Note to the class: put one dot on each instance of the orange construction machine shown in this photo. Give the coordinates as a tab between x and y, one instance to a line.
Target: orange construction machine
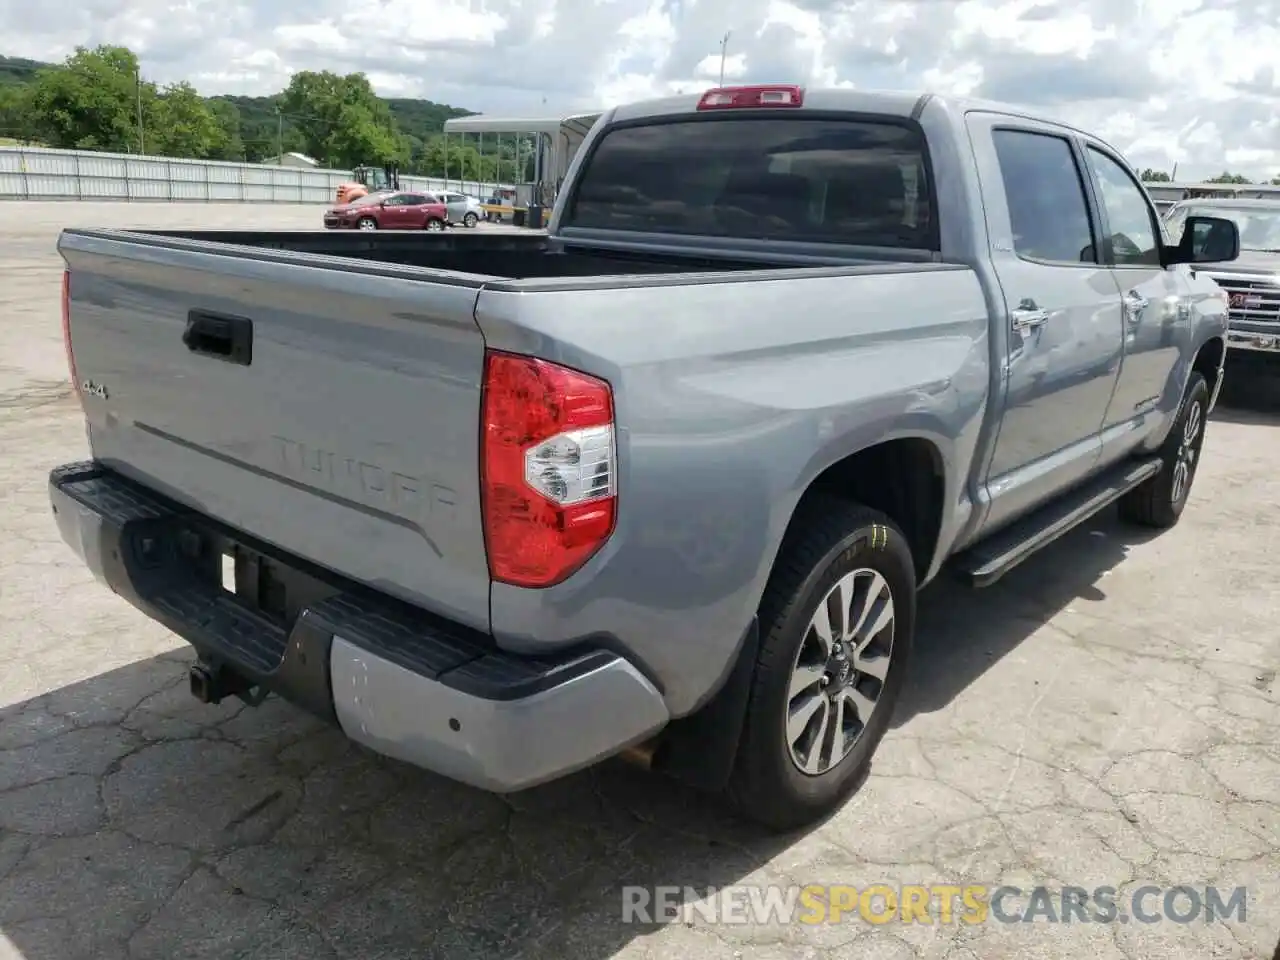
367	180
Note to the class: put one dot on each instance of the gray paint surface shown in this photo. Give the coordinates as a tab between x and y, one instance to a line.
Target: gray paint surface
733	392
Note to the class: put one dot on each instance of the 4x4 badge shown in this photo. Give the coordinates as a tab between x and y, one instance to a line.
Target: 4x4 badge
94	389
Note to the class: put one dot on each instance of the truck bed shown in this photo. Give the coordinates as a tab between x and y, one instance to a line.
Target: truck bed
493	256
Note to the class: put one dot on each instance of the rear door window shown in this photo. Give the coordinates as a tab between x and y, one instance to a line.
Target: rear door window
860	182
1043	187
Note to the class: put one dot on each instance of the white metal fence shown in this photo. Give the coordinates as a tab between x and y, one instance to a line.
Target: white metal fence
38	173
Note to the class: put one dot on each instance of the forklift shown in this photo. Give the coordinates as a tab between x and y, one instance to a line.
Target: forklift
367	180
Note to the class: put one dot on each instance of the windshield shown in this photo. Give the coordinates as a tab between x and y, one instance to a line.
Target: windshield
1259	228
859	182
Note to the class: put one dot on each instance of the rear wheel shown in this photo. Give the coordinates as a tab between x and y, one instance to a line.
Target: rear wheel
434	224
366	223
836	624
470	220
1159	501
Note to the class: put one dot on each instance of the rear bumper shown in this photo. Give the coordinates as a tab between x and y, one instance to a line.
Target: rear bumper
398	680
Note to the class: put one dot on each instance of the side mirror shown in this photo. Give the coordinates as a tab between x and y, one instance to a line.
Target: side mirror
1206	240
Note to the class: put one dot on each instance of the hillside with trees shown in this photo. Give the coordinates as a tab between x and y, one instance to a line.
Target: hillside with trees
1159	176
98	99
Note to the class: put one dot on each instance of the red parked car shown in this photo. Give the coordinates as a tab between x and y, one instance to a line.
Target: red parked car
389	211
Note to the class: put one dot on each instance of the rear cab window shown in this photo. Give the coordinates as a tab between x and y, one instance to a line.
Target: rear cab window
862	181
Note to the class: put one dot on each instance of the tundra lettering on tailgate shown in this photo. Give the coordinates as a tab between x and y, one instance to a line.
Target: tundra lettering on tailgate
368	484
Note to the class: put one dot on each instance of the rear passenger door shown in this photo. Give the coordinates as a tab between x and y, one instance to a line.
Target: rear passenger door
1155	301
415	211
394	212
1062	333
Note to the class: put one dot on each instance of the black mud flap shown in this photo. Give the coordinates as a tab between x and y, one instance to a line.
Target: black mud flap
699	750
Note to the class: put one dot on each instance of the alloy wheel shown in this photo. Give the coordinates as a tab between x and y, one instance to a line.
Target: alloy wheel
840	671
1188	448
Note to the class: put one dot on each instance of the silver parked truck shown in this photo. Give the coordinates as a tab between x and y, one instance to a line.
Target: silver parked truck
663	480
1252	282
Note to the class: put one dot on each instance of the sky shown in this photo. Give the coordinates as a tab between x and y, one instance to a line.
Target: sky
1191	82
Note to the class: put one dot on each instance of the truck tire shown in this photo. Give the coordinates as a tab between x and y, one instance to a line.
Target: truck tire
1159	501
814	718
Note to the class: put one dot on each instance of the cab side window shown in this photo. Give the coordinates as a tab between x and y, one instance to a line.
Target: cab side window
1133	235
1045	193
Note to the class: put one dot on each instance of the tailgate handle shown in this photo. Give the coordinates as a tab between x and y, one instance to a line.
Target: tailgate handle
219	337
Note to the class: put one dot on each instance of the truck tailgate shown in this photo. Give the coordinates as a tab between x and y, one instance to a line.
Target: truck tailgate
328	407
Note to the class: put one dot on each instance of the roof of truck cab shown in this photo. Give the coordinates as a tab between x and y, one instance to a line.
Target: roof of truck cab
901	103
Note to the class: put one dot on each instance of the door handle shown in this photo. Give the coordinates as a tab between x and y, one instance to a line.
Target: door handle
1028	316
219	337
1134	305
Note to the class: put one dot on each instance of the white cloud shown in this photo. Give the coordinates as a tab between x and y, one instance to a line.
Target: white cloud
1186	81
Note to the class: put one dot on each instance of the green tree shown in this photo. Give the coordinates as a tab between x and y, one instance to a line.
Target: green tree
180	124
462	159
457	160
1225	177
1155	176
228	144
91	101
341	120
16	115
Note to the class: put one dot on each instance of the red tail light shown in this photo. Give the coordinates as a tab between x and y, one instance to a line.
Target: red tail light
774	95
548	471
66	331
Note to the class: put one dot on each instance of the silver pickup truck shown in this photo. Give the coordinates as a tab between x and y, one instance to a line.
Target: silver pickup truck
664	480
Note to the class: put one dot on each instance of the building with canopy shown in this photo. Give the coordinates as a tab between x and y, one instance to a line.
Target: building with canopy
555	141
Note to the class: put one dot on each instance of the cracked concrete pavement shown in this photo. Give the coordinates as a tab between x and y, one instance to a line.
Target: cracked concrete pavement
1109	715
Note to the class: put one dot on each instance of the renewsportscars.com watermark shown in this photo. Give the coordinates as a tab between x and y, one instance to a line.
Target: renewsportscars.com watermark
939	903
